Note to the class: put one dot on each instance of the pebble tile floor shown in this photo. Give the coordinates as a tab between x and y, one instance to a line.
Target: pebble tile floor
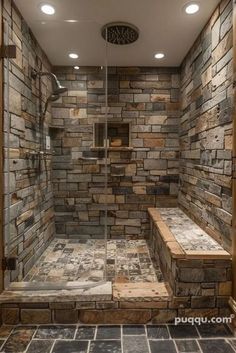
206	338
189	235
84	260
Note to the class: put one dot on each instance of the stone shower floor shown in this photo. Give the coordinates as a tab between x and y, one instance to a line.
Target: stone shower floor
188	234
128	261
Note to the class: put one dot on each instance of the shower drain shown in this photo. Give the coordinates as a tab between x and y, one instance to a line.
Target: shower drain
120	33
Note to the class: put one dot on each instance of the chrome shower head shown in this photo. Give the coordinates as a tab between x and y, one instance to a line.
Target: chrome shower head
57	88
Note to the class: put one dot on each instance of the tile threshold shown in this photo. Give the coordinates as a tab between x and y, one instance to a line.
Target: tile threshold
100	292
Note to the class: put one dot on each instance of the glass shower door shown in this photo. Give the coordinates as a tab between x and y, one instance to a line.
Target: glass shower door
56	191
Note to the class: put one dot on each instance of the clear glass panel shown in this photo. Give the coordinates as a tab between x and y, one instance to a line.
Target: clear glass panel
9	232
57	173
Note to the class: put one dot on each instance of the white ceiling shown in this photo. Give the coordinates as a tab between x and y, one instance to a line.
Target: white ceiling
163	25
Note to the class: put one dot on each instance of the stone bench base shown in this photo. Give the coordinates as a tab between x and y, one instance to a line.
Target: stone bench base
201	281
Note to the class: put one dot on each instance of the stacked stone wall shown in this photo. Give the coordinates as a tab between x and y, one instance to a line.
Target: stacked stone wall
147	99
206	127
31	223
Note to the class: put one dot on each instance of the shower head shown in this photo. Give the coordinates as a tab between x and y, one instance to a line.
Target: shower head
57	88
120	33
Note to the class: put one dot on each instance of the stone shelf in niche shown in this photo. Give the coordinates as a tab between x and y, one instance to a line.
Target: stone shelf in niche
118	135
121	148
56	127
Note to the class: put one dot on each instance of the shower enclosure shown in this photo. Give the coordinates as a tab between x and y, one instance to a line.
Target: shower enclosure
56	169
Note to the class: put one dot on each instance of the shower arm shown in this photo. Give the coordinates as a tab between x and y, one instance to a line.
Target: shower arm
35	73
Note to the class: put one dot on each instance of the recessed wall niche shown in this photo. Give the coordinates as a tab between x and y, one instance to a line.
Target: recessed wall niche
118	135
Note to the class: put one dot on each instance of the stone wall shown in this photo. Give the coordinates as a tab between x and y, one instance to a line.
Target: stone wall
31	222
206	127
148	99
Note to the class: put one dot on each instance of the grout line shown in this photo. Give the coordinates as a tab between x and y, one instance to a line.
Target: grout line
148	342
89	345
53	345
95	333
231	345
176	347
168	330
121	339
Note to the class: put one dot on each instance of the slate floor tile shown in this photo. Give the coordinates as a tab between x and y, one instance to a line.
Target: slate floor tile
85	333
162	346
137	344
105	346
108	332
233	343
134	330
215	346
183	331
5	331
157	332
70	347
187	346
40	346
19	339
214	330
55	332
1	342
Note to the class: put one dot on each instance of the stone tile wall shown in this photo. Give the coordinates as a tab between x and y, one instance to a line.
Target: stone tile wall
31	220
206	127
148	99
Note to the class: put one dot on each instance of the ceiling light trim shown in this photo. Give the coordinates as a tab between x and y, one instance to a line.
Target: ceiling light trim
47	9
73	56
192	8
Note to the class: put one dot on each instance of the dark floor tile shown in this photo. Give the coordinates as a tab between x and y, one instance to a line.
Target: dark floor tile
162	346
137	344
157	332
215	346
233	343
40	346
19	339
5	331
108	332
70	347
187	346
85	333
55	332
214	330
183	331
134	330
105	347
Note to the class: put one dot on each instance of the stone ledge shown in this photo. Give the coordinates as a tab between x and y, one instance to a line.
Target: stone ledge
175	248
102	292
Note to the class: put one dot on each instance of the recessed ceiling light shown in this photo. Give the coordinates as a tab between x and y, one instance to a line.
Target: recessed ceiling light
192	8
159	55
76	67
48	9
73	56
71	21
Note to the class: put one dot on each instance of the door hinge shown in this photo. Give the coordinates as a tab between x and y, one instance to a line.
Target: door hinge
234	167
8	51
9	263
